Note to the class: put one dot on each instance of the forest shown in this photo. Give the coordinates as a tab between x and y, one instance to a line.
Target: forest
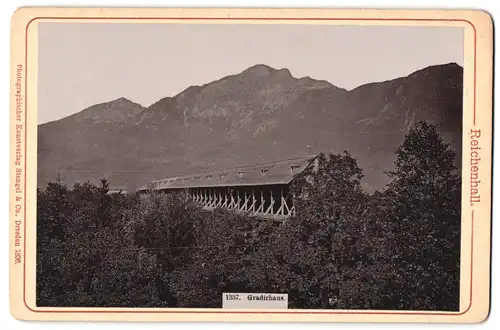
396	249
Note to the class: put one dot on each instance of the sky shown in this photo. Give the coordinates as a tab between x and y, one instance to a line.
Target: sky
82	64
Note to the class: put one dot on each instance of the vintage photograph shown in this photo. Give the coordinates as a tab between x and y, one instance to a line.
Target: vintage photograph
179	165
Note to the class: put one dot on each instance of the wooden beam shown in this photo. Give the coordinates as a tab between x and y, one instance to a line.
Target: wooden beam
238	200
245	204
253	200
252	207
282	207
282	201
261	206
231	205
285	204
270	208
220	200
214	198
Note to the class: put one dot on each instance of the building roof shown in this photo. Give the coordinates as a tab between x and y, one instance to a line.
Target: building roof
117	190
277	172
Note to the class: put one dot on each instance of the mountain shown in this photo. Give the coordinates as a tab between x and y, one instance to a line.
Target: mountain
260	114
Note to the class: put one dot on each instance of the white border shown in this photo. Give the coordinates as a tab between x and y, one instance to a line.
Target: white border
7	7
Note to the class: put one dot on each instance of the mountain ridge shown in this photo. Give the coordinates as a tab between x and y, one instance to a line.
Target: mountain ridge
197	87
260	114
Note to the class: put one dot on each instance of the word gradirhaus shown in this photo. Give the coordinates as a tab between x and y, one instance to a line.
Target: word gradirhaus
475	160
265	297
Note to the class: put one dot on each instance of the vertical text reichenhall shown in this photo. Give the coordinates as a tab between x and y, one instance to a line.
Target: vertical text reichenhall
475	160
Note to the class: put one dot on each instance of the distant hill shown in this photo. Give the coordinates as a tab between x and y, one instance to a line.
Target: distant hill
261	114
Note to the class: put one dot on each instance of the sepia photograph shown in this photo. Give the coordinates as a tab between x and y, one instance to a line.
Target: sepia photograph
190	165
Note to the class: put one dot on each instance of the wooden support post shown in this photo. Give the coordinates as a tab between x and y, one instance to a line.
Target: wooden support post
262	200
231	205
261	206
281	210
238	200
253	200
282	202
252	207
216	198
245	205
270	208
287	213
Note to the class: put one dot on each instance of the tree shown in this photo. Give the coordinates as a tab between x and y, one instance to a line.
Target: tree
312	248
219	260
165	224
54	207
86	255
424	208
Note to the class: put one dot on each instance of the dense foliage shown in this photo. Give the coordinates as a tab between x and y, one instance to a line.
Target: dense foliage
396	249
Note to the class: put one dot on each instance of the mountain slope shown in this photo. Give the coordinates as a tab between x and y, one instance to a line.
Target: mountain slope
258	115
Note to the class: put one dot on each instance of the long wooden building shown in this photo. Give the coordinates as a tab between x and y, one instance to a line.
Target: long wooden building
262	190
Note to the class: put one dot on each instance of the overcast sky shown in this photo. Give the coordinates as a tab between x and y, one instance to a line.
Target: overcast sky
81	64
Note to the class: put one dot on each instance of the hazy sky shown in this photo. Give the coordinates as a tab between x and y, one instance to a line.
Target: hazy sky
81	64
